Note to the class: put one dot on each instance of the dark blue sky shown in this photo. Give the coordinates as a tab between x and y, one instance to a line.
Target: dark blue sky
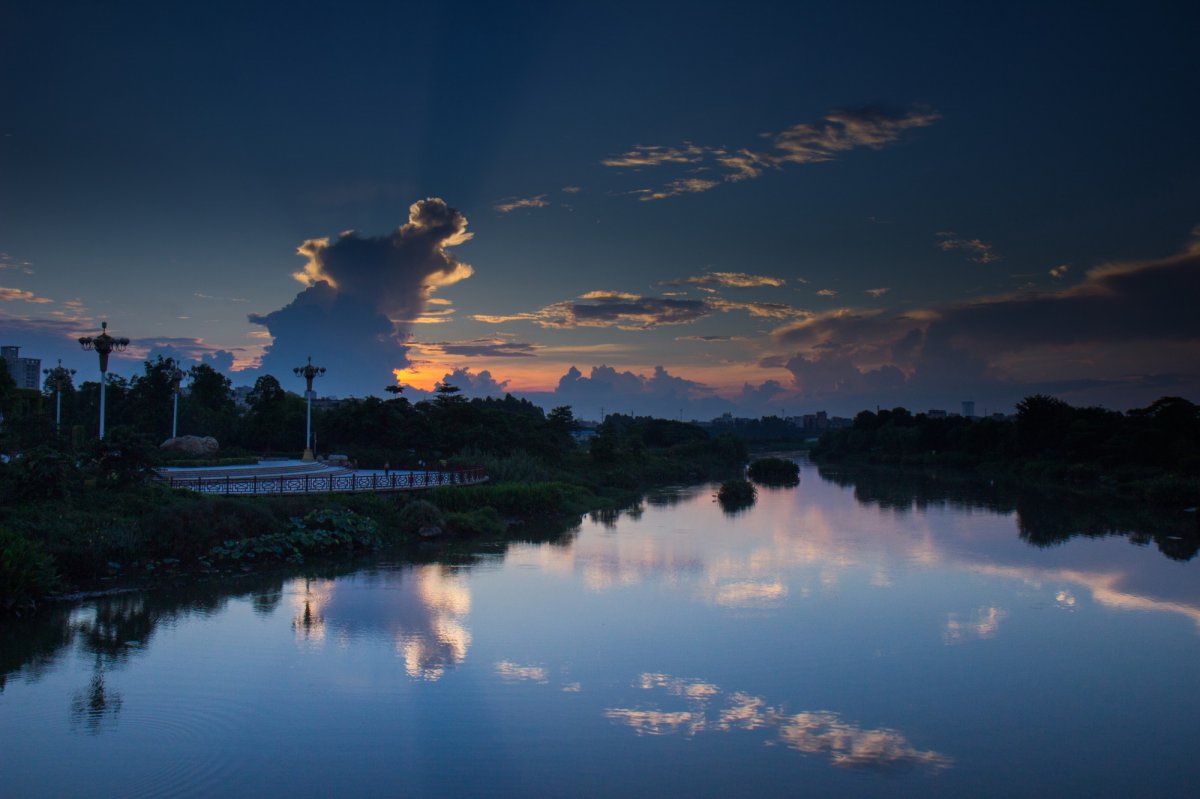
905	167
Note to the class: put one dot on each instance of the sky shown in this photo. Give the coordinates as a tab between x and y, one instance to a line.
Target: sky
683	209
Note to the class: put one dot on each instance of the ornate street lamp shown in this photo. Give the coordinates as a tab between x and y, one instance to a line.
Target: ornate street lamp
176	379
103	344
60	378
308	372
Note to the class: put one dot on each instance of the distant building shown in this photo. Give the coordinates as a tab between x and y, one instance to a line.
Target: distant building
935	413
969	409
27	372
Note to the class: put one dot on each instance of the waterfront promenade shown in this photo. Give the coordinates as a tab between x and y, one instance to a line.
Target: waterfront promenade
285	477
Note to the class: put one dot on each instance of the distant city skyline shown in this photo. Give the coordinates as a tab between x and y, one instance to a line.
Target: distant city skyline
682	210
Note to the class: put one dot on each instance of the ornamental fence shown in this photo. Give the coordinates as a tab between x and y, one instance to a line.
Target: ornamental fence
256	485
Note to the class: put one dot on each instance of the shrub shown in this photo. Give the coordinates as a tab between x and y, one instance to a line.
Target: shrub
775	472
736	494
26	574
418	514
481	521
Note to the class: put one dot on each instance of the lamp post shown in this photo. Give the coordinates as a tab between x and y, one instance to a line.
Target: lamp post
103	344
60	378
176	380
308	372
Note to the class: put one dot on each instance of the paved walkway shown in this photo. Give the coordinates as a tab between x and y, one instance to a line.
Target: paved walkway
285	477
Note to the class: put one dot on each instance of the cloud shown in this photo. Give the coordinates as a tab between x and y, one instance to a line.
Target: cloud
188	352
9	263
510	204
607	390
18	295
362	295
839	131
728	279
765	310
481	348
680	186
628	311
571	189
224	299
476	384
978	251
847	129
611	309
1123	327
877	292
656	155
708	338
1059	271
827	293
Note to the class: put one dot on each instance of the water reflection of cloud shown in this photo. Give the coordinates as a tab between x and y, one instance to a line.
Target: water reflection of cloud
513	671
1105	588
823	732
807	542
749	594
984	624
423	614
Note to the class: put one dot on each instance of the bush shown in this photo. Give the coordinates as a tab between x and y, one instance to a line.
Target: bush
26	574
775	472
736	494
419	514
482	521
321	532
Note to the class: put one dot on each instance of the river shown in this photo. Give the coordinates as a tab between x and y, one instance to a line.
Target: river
857	635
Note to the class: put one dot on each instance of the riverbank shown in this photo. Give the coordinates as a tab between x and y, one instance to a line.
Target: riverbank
63	532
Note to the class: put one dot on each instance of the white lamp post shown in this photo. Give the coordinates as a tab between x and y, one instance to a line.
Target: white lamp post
308	372
60	378
103	344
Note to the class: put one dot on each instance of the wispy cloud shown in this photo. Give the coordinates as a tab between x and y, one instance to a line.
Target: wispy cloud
20	295
643	155
728	280
981	252
878	292
679	186
1059	271
223	299
839	131
510	204
480	347
9	263
635	312
827	293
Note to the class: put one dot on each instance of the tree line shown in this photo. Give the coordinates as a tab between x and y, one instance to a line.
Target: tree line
1047	439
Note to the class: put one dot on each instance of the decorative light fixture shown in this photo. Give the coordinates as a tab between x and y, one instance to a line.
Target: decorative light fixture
176	380
60	378
308	372
103	344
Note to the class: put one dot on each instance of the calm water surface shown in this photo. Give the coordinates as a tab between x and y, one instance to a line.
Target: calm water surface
846	637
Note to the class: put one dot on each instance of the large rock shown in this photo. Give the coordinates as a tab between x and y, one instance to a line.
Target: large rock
192	445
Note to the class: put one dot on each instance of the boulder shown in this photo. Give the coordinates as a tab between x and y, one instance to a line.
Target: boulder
192	445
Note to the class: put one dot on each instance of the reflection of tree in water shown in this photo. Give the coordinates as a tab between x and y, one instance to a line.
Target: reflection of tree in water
1045	517
92	705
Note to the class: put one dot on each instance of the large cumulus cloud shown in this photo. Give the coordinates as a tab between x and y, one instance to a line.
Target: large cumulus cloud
362	295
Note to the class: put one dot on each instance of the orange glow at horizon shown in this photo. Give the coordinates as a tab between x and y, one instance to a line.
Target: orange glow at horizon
522	375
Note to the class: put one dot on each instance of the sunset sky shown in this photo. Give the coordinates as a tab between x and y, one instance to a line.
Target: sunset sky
669	208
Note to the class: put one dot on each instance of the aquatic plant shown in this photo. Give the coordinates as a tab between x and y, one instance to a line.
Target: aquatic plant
775	472
736	494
